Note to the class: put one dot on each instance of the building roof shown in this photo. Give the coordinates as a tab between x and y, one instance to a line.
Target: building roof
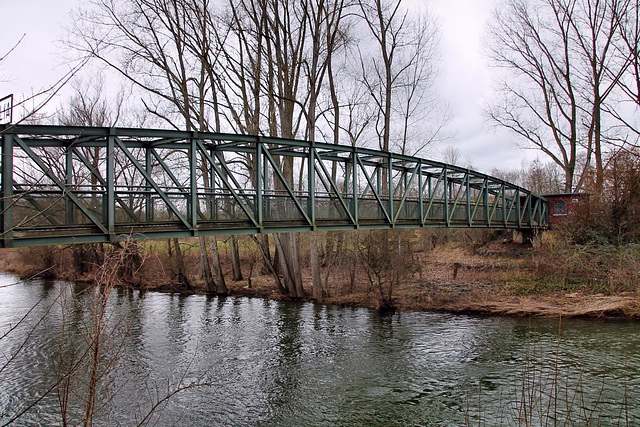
581	194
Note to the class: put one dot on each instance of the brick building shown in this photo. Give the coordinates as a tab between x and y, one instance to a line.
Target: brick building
563	205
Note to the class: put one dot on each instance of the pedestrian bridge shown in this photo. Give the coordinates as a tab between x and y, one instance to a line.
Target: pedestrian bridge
86	184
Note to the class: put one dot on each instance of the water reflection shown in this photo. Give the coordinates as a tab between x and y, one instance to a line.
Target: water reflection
257	362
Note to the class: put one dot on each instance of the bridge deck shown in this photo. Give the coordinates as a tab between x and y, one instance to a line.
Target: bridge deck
77	185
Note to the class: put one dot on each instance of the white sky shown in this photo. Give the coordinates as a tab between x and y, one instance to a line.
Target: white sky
464	77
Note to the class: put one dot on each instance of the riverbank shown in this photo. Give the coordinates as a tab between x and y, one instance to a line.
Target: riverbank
482	298
496	278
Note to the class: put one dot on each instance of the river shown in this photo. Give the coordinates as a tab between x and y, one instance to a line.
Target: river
209	361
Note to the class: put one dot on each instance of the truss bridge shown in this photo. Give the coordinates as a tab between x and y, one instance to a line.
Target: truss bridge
82	184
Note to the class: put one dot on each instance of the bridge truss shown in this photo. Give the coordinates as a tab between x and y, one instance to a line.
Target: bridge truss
79	184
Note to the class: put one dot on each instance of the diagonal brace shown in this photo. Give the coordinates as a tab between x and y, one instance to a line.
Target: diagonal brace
332	185
278	172
375	193
67	192
150	180
225	181
406	191
99	177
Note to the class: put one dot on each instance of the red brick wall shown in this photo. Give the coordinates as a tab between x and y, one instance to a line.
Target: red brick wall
562	206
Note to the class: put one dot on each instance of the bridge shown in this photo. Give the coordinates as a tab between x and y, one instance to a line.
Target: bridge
85	184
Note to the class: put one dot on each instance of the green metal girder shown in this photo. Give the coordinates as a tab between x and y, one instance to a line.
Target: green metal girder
66	190
328	183
152	182
406	191
375	192
35	204
286	185
431	193
223	178
89	166
178	185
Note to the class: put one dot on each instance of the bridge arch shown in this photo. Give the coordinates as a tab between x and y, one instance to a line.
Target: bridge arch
85	184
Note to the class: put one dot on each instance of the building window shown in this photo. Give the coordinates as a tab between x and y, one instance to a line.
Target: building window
559	207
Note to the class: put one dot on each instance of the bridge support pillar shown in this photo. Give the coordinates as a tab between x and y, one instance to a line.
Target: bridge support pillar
526	236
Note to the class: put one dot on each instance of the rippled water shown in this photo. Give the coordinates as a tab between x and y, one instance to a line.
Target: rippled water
269	363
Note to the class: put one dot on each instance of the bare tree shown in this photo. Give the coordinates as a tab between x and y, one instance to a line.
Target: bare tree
564	60
596	29
88	106
242	32
276	49
162	47
628	48
285	48
539	98
325	28
398	72
267	67
452	155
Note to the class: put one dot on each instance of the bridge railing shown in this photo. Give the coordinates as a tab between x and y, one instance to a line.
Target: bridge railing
73	184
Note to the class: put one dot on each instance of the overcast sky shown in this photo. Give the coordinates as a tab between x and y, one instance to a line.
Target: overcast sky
464	77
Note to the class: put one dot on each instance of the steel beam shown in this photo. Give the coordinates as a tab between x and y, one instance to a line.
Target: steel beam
417	192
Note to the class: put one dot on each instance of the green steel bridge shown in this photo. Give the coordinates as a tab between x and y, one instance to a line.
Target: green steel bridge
86	184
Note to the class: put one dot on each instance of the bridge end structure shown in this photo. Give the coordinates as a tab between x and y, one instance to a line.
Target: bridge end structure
83	184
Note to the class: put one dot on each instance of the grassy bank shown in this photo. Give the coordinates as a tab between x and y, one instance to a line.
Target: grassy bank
447	271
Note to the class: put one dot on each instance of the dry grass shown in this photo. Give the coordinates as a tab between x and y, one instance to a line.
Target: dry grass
497	279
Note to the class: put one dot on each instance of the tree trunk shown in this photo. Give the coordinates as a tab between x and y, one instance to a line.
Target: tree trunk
267	264
315	267
131	261
295	264
329	247
221	288
235	258
205	264
289	265
85	257
182	274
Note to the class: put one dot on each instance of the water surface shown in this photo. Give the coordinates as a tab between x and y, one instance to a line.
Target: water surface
266	363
